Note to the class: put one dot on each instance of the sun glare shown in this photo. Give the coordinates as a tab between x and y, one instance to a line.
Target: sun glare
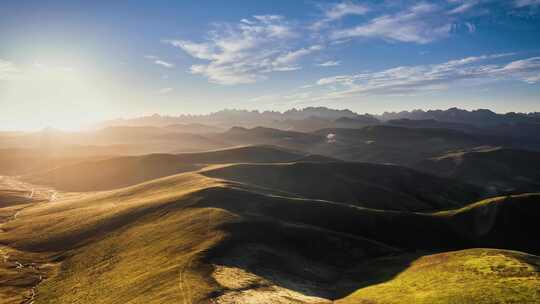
62	97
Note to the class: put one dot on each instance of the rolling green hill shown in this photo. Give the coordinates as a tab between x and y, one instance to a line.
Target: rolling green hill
470	276
188	238
120	172
499	170
362	184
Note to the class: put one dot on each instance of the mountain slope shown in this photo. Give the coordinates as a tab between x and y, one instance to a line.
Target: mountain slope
498	170
125	171
363	184
481	276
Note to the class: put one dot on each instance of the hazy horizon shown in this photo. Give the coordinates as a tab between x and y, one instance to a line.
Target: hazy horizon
98	123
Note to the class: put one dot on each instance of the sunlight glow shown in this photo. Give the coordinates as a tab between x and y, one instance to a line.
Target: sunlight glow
62	97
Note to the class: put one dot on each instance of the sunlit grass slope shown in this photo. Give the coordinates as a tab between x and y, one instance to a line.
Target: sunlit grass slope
475	276
155	242
128	245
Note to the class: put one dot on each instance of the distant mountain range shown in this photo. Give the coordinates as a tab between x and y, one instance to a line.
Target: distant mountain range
480	117
315	118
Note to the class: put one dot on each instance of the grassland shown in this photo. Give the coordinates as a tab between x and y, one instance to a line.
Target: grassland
192	238
479	276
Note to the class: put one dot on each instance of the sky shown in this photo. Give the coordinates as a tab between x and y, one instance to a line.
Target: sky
66	64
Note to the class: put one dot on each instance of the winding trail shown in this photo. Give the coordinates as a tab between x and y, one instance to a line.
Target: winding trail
184	290
47	195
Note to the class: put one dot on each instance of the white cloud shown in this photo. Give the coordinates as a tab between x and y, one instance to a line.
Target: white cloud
410	79
8	70
527	70
337	11
158	61
414	80
286	62
265	98
329	63
464	6
340	10
421	23
197	50
165	91
164	64
525	3
247	51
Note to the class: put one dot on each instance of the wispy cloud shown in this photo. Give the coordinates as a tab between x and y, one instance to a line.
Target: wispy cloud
164	64
527	70
165	91
525	3
247	51
410	79
286	62
420	24
251	49
160	62
340	10
8	70
336	11
463	6
330	63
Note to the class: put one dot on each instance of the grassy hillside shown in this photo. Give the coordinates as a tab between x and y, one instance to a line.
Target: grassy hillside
362	184
120	172
163	237
470	276
502	222
498	170
188	238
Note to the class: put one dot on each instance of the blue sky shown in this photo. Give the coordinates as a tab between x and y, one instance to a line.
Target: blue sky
63	63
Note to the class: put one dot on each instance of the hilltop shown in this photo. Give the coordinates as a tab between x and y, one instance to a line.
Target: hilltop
468	276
